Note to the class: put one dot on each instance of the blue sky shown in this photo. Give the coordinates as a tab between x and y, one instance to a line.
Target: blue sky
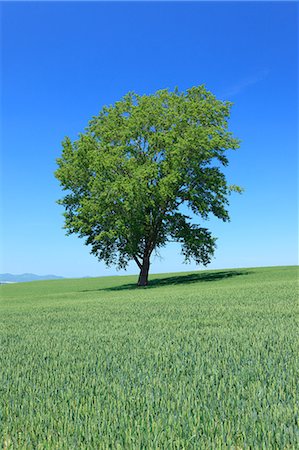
62	62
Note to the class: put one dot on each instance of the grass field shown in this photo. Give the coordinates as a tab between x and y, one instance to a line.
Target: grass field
204	360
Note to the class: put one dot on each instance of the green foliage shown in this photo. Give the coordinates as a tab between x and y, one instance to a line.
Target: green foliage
206	360
137	163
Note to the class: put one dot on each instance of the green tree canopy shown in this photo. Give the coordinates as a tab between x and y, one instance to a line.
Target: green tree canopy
138	161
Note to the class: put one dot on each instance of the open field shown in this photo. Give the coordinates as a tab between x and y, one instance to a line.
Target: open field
197	361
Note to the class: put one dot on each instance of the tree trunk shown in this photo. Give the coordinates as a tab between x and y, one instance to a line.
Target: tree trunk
143	276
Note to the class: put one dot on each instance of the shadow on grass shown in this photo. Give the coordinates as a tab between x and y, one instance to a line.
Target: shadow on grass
177	280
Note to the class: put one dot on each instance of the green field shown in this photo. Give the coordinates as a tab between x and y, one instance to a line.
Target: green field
203	360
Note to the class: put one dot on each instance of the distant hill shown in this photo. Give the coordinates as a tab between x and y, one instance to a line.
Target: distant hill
11	278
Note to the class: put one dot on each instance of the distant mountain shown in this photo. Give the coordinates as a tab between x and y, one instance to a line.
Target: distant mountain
10	278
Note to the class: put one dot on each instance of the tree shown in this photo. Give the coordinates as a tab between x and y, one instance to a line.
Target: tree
139	161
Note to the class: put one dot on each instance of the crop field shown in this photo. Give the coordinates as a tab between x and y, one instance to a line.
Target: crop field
201	360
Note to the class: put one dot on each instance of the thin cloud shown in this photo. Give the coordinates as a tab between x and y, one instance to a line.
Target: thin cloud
245	83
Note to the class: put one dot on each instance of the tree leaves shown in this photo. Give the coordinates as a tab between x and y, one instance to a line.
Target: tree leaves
137	163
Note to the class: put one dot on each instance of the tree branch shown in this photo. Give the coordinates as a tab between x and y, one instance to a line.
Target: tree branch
137	261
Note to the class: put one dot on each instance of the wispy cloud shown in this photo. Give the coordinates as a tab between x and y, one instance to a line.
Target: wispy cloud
245	83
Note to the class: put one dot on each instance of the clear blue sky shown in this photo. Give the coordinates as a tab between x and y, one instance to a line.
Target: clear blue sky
62	62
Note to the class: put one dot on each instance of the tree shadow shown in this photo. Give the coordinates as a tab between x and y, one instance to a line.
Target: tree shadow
177	280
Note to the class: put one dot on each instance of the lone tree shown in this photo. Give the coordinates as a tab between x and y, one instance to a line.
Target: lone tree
139	161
